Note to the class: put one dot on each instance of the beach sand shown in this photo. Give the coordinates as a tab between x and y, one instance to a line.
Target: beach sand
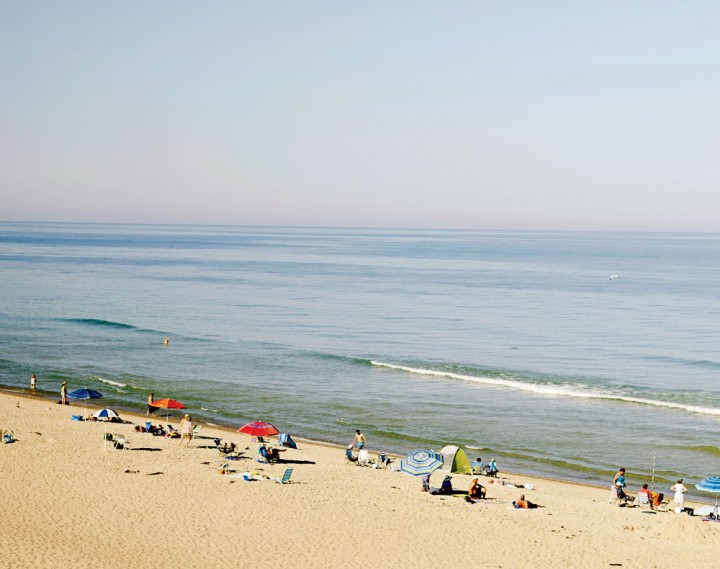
68	499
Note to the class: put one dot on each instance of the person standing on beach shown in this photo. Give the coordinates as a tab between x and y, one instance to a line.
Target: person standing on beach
33	380
151	408
360	440
186	429
619	486
63	393
679	498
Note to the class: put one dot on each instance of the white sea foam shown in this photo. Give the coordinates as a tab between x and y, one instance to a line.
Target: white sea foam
111	382
553	390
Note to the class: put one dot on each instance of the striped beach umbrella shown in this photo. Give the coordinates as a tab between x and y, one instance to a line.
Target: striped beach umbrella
711	485
421	462
107	414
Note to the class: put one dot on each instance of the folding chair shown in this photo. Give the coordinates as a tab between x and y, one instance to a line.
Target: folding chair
643	500
285	477
119	442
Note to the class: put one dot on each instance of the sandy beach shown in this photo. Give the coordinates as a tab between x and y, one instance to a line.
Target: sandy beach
70	499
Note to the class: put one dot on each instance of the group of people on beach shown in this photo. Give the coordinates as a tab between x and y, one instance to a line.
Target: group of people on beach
654	499
476	490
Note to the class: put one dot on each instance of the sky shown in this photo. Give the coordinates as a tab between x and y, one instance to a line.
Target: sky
559	115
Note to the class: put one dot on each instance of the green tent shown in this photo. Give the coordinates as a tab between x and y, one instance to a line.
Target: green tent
455	460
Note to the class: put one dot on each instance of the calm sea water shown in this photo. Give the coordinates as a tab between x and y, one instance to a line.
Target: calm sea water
513	345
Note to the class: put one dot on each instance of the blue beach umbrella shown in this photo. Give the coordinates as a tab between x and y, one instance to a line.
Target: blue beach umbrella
421	462
106	414
85	394
711	485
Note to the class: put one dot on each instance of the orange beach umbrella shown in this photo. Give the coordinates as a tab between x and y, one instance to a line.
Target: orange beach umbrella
168	404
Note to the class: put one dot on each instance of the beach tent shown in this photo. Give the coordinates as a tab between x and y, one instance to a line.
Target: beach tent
455	459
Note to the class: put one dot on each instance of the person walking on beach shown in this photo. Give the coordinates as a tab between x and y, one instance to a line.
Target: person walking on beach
151	408
63	394
33	380
186	429
360	440
679	498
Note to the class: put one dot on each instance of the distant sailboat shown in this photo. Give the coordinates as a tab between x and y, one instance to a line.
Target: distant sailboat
614	277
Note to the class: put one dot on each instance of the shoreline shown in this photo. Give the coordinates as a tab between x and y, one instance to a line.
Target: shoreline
116	507
230	431
93	406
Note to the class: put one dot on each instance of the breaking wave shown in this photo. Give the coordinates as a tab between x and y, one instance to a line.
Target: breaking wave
552	390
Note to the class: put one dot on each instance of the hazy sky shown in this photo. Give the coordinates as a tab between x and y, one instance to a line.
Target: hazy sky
468	114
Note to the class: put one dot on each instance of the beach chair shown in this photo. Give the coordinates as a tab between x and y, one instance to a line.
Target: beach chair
264	457
285	477
350	458
172	432
643	500
363	458
8	436
382	461
196	431
119	442
285	440
477	467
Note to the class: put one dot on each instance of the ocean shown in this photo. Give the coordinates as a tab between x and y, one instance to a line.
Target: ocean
517	346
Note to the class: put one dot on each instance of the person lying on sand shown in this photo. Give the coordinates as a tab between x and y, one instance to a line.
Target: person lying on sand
524	504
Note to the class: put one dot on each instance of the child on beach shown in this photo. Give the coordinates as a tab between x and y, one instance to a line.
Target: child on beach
186	429
33	380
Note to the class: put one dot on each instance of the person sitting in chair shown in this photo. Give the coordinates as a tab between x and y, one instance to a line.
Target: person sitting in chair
645	490
477	466
269	454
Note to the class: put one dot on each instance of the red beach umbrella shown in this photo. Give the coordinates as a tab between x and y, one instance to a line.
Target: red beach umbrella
168	404
258	429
